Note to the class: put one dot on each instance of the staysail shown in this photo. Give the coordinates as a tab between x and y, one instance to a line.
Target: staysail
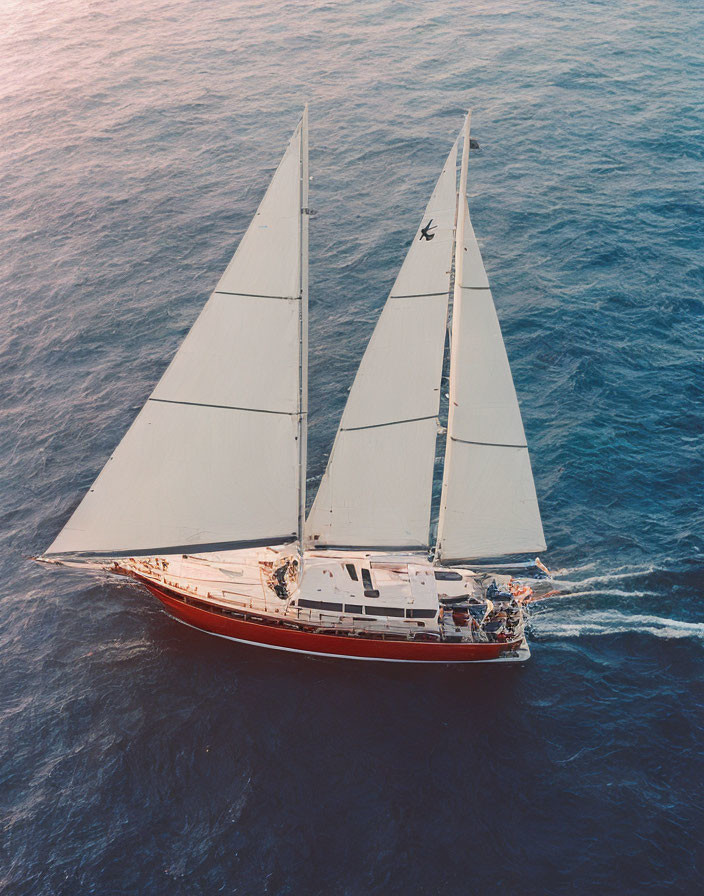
376	491
488	506
216	457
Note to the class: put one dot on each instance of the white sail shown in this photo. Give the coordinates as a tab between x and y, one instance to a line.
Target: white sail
376	491
213	460
488	507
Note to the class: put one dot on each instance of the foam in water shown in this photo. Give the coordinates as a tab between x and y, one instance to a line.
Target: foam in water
613	622
607	592
614	576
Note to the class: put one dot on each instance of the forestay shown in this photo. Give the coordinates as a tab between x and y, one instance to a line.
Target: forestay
489	506
213	458
376	491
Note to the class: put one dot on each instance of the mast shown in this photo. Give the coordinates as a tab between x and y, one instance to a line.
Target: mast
303	334
455	324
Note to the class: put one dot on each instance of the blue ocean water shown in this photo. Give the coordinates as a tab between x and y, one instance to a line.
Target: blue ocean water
137	756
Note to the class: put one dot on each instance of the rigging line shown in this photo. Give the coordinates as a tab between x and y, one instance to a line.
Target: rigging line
390	423
487	288
254	295
488	444
224	407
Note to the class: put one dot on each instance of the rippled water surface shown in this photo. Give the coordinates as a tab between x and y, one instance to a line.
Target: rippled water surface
138	756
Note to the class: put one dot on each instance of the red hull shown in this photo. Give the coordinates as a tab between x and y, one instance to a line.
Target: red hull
282	638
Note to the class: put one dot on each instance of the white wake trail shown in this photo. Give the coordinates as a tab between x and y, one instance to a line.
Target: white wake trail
613	622
603	592
615	576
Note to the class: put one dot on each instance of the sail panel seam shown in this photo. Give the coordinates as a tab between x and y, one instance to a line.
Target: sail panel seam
254	295
390	423
421	295
487	444
225	407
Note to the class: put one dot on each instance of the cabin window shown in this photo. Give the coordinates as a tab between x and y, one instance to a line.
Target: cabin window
351	569
319	605
384	611
369	589
445	575
353	608
421	614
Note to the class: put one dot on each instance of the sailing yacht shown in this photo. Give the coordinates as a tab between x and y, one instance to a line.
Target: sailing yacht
203	501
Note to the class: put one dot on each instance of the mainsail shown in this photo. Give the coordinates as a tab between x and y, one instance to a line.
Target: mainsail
376	491
488	506
216	457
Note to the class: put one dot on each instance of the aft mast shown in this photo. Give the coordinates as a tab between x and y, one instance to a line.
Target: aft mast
455	329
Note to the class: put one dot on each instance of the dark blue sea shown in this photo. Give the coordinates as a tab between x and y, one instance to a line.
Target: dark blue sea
138	756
